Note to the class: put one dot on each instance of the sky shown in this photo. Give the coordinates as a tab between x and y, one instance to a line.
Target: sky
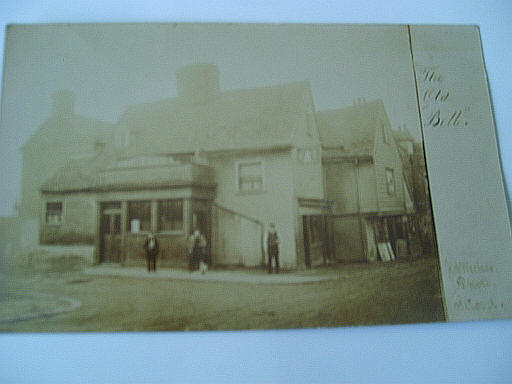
112	66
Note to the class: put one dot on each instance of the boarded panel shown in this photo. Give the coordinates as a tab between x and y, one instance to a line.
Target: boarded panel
236	240
316	232
370	240
386	252
348	243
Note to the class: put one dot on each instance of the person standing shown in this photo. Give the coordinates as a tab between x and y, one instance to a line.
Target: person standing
271	242
197	252
151	247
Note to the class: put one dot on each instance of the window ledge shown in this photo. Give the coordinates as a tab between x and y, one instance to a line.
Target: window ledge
256	192
157	233
170	233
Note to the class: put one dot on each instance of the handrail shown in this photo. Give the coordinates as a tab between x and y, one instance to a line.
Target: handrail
256	221
238	213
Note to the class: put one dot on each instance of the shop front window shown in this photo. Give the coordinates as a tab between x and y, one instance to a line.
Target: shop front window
170	215
139	216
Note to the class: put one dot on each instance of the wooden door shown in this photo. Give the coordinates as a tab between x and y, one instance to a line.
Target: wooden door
307	250
314	240
110	231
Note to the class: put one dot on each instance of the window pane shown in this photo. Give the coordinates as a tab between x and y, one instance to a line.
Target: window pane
54	213
390	179
111	205
170	215
250	176
105	224
141	211
117	225
250	169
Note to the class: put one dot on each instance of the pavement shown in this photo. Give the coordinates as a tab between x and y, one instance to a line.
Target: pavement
233	276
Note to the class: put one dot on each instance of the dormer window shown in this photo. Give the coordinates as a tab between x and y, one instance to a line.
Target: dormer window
390	181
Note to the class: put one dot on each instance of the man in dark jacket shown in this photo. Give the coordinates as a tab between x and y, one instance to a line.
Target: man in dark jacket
271	244
197	252
151	247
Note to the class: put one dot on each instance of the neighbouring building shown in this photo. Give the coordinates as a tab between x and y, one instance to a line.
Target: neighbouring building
62	137
230	163
364	180
9	238
415	176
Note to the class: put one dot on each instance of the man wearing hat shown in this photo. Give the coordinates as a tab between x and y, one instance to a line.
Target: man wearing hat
151	247
271	244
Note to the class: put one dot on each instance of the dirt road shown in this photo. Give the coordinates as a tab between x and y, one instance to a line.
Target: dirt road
358	294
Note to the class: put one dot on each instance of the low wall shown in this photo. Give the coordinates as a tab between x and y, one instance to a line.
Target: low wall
64	235
77	255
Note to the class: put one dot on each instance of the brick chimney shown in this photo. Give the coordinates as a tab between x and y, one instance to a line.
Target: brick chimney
198	83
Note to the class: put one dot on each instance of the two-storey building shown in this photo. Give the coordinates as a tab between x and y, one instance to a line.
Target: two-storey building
230	163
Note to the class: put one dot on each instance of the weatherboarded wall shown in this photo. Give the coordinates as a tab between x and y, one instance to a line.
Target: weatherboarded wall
387	157
348	238
351	187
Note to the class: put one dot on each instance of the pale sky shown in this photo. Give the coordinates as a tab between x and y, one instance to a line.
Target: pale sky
111	66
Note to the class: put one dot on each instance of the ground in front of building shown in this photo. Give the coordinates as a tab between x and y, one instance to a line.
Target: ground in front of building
351	294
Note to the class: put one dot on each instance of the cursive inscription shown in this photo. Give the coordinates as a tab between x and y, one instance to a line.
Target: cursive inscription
434	100
475	286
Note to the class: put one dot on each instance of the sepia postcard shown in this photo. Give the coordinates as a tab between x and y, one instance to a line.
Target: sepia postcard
182	176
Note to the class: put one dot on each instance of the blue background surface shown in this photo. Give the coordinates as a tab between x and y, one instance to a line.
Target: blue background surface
456	352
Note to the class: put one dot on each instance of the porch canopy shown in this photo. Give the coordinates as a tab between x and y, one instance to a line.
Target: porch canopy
144	172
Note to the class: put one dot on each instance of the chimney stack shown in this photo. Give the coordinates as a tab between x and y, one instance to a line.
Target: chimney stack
198	83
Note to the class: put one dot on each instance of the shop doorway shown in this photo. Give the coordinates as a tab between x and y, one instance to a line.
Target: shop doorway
110	232
315	240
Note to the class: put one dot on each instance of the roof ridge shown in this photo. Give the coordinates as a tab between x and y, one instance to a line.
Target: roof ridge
228	92
348	107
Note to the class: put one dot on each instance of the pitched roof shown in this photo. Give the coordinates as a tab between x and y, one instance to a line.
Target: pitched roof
352	128
72	129
263	117
77	175
106	172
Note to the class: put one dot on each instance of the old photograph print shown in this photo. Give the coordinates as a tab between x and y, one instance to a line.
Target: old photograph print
213	176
